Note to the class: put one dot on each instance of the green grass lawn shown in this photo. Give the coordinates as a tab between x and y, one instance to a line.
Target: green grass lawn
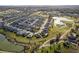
59	47
9	47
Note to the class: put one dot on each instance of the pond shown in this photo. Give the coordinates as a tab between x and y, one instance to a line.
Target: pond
2	37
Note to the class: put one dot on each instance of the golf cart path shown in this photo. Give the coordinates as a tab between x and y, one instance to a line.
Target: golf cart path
62	36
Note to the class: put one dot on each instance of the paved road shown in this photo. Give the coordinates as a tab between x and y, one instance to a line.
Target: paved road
62	36
15	21
34	22
42	27
46	43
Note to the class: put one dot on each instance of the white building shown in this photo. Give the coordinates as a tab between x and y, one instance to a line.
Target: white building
59	21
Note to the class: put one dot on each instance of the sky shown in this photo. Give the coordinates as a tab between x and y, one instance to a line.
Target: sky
39	2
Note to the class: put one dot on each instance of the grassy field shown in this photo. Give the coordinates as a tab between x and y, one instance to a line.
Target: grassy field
9	47
59	48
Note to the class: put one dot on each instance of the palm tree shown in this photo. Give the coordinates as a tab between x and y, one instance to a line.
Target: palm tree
24	49
53	23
